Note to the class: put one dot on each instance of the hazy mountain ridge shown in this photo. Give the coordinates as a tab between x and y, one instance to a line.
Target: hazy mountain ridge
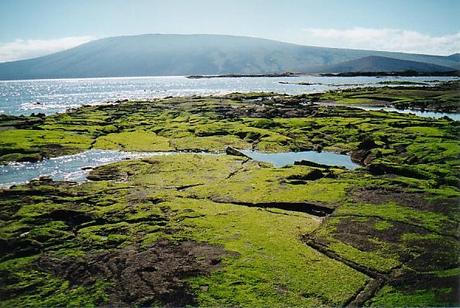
383	64
454	57
170	54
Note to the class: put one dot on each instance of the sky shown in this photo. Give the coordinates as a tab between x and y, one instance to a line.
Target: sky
30	28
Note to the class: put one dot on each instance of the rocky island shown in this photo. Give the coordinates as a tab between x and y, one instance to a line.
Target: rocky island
273	75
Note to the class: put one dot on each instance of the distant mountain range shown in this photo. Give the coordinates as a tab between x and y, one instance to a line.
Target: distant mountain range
383	64
172	54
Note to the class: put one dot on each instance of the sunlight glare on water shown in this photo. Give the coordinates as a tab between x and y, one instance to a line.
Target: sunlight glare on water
50	96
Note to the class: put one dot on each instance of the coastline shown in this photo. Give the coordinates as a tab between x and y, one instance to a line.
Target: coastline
230	217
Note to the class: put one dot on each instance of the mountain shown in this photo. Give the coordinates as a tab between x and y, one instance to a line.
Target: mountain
454	57
172	54
382	64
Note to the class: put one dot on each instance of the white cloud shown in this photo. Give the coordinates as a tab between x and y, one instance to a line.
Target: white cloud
24	49
383	39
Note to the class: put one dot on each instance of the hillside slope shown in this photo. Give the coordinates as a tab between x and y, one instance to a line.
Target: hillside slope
382	64
171	54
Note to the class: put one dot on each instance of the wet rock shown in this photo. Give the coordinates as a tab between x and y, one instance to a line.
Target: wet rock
401	170
107	173
313	175
234	152
142	277
377	169
70	217
363	153
45	179
367	144
369	158
359	156
31	158
317	147
18	247
310	164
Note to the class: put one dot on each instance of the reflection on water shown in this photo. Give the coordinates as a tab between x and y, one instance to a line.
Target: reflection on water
57	95
288	158
67	168
426	114
76	167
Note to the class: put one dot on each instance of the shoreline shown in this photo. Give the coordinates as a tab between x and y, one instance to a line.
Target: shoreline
270	75
225	219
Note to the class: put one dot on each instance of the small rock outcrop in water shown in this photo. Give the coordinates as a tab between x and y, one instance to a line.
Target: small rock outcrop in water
234	152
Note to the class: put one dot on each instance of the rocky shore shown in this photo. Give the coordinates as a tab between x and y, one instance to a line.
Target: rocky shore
224	230
444	97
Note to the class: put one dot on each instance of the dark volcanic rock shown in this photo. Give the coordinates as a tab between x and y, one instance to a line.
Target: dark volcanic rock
313	175
362	154
234	152
142	277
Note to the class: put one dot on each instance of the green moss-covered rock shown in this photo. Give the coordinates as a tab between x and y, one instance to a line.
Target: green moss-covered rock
237	232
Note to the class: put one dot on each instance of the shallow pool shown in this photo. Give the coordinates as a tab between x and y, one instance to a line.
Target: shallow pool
64	168
289	158
419	113
76	167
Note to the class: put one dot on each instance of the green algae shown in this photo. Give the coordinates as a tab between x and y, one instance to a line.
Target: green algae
391	297
395	216
382	225
48	290
443	97
133	141
26	144
268	259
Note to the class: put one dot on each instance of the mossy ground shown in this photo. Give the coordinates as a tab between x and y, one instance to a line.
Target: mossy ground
267	261
443	98
395	219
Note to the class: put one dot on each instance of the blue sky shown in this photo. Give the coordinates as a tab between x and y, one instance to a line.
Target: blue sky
30	27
